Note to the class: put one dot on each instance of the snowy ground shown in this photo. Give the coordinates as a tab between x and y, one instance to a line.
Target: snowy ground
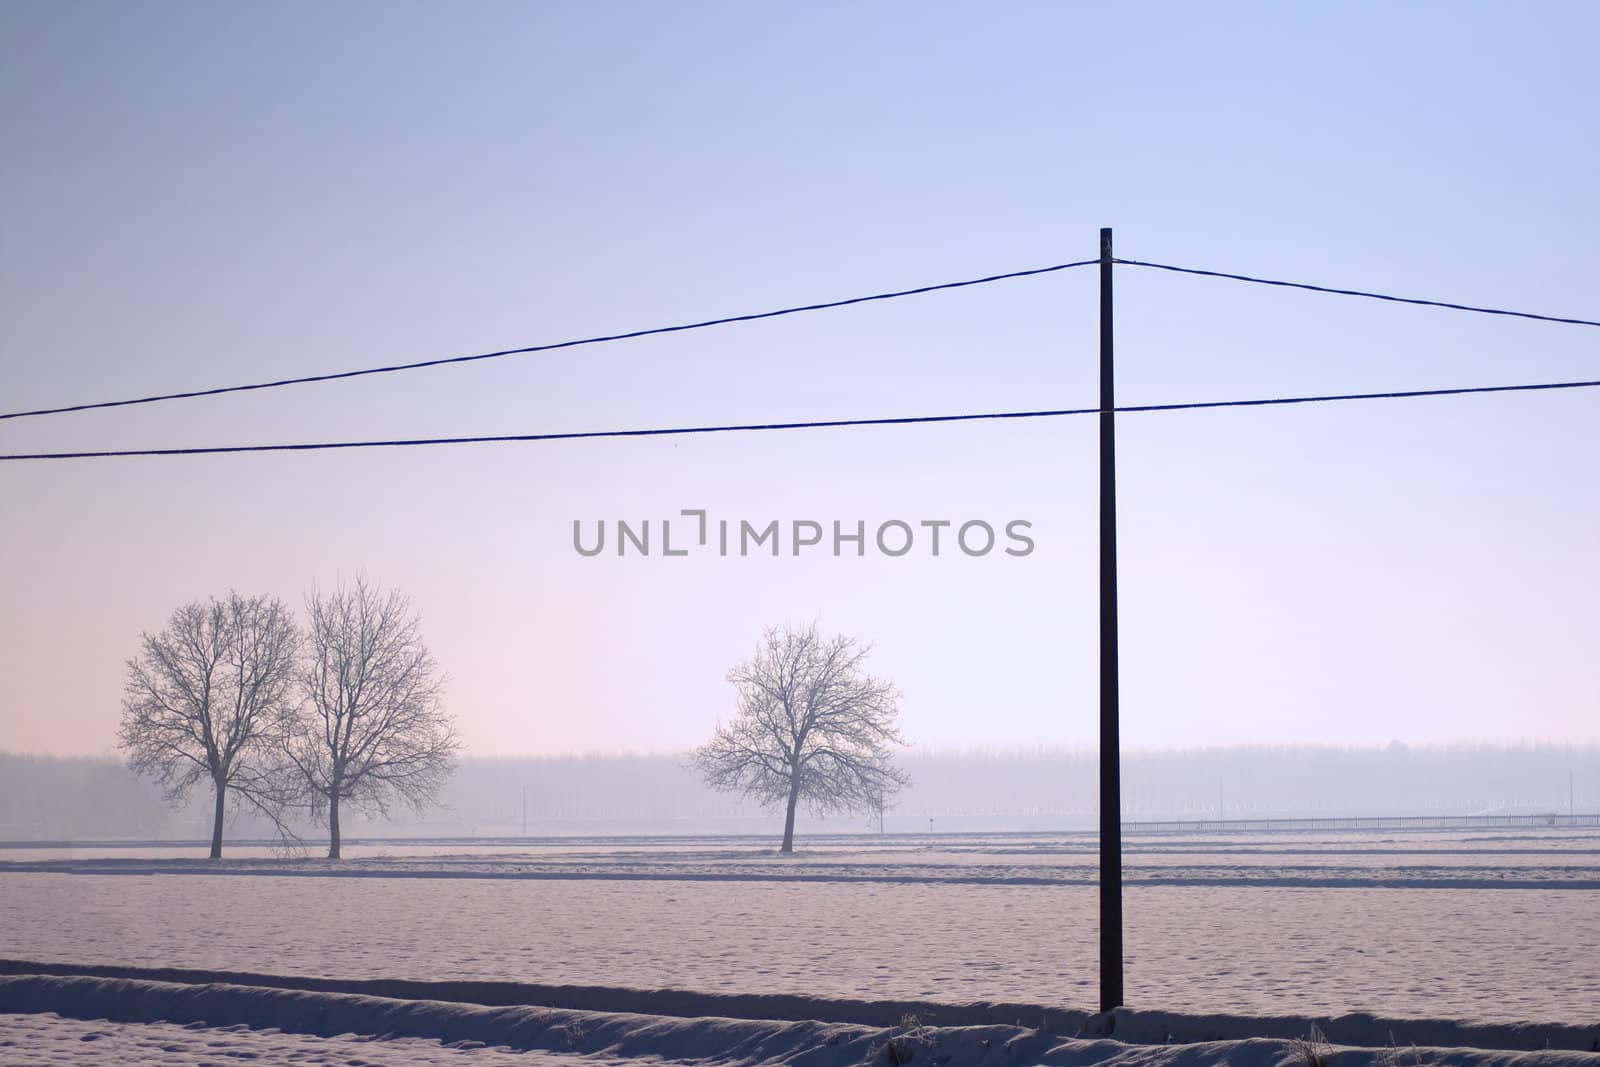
78	1020
49	1039
1490	926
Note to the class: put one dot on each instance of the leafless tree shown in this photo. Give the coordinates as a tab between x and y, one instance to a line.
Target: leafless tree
372	729
811	725
206	698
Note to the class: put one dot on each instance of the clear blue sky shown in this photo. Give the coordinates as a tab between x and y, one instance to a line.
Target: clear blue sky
198	194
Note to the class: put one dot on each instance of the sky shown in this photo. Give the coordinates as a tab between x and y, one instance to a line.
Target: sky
199	195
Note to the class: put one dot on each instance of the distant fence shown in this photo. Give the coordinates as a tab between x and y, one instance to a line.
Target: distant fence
1372	822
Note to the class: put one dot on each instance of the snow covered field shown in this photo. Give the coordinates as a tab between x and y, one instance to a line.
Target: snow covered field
1489	926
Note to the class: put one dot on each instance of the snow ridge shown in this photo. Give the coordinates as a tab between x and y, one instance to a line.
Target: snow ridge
1128	1037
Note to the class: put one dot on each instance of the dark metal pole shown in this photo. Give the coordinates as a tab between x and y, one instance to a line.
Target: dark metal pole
1110	736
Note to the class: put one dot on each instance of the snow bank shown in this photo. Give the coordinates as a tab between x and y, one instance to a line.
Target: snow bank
1131	1038
52	1041
607	999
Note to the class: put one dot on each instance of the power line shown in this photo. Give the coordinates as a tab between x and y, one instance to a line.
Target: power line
704	324
653	331
1324	398
1358	292
658	330
906	420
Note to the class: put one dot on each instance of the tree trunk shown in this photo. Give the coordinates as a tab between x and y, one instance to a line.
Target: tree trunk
216	822
333	825
788	822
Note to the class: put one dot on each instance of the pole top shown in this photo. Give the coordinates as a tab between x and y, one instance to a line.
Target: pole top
1105	241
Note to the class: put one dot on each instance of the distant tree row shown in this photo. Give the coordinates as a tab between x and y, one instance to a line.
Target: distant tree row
344	711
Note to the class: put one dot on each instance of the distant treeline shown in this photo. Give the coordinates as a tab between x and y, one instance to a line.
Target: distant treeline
57	798
1054	783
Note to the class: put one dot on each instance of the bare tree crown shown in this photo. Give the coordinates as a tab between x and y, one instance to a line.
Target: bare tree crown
206	695
374	728
812	726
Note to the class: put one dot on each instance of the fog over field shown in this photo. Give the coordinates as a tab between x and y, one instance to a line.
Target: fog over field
58	798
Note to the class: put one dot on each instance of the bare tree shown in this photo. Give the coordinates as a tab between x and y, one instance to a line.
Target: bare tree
373	729
205	699
811	725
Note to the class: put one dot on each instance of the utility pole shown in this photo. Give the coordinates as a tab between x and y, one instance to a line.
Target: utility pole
1110	733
